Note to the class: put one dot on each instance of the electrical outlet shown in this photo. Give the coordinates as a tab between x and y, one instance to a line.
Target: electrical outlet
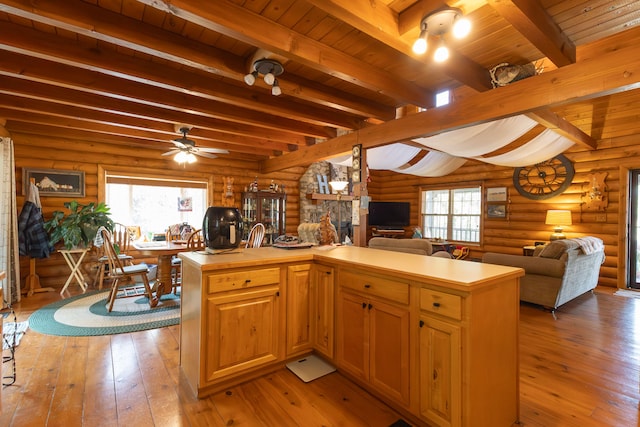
601	217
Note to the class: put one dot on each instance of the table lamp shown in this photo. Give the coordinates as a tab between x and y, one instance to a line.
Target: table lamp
339	186
558	218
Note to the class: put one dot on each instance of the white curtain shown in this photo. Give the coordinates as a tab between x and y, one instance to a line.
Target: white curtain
480	139
543	147
434	164
387	157
9	259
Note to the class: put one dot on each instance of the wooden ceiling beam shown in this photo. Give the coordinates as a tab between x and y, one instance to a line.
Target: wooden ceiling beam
237	22
611	72
161	134
133	34
30	96
533	22
18	39
364	16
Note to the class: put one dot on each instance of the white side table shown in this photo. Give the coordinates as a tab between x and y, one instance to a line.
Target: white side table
74	258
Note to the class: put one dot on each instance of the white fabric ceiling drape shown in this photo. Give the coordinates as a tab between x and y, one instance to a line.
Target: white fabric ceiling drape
9	259
449	150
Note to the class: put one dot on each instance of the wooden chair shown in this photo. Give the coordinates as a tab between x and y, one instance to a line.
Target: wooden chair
117	272
256	236
121	240
196	241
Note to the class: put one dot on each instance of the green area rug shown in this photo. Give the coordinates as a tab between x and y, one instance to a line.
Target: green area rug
87	314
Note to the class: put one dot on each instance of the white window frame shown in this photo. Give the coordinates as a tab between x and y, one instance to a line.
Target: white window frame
151	175
451	216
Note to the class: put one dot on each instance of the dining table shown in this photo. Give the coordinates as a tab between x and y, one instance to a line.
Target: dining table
164	251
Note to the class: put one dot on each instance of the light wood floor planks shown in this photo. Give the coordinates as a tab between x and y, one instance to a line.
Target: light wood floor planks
579	370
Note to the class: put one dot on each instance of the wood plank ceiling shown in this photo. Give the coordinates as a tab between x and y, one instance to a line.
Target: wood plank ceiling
127	71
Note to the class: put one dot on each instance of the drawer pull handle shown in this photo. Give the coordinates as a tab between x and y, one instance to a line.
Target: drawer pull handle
364	304
370	306
421	323
278	293
367	286
327	272
436	304
435	374
247	281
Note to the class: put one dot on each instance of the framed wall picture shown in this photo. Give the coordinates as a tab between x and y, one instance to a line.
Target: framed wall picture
54	182
497	194
496	210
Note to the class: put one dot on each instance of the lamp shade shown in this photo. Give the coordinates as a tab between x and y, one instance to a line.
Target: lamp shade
338	185
558	217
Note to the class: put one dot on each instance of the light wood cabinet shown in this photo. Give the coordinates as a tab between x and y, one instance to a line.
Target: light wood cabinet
322	309
299	309
243	312
373	333
440	372
436	339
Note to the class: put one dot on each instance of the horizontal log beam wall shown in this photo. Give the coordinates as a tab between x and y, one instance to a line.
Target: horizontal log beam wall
525	217
45	153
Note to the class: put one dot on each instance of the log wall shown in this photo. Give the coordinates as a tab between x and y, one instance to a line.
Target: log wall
525	217
50	153
524	223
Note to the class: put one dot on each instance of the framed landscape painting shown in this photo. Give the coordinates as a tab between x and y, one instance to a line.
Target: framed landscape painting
54	182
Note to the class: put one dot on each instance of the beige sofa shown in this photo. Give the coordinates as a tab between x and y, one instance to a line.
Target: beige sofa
558	272
411	246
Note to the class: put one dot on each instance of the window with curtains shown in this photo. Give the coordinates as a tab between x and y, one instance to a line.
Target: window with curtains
452	214
154	203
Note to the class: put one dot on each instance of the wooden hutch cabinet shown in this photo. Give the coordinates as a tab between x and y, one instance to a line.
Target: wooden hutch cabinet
268	208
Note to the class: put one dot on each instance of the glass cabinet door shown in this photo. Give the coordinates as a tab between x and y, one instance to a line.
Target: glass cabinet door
267	208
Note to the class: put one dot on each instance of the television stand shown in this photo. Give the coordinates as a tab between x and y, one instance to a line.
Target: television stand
393	233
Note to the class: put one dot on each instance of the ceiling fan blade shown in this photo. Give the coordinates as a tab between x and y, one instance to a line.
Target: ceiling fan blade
169	153
178	143
211	156
214	150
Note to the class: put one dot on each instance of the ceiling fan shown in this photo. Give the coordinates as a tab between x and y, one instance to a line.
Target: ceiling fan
186	149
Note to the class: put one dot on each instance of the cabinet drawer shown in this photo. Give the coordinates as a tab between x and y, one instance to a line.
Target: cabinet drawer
441	303
378	286
242	279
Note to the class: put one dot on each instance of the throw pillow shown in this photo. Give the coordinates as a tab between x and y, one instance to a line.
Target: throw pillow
556	248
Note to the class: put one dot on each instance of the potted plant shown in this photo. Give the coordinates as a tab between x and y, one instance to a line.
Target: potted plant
79	227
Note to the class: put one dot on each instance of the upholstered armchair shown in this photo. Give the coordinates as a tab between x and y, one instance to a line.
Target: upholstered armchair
557	272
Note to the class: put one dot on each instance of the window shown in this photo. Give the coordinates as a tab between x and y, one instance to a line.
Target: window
443	98
155	203
452	214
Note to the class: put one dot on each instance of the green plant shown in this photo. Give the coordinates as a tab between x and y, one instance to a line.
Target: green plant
79	227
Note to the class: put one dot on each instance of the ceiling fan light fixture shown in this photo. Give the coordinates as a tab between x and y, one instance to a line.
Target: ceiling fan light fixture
180	157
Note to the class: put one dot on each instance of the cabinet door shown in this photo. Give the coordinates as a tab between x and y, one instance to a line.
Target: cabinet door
322	300
440	372
389	349
298	308
353	335
242	331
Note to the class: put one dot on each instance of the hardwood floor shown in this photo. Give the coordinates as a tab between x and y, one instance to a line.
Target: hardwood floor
579	370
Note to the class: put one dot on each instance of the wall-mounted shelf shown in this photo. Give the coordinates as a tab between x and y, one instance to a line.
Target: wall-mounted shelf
320	196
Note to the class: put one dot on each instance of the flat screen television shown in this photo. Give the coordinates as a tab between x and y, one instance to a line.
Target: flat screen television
389	215
222	228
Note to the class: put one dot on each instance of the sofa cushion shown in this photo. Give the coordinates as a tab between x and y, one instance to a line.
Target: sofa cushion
556	248
532	265
410	246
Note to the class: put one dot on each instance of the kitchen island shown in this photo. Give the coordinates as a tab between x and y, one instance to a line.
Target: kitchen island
435	338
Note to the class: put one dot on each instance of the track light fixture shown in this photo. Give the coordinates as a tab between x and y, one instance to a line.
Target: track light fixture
438	24
270	69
